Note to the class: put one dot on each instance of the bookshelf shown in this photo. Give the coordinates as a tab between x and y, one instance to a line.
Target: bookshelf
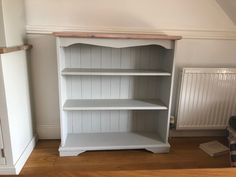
115	91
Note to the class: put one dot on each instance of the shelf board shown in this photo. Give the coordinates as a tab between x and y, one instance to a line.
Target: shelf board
15	48
113	72
113	104
116	35
112	141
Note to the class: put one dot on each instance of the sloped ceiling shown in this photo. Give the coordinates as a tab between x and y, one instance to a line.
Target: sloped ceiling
229	6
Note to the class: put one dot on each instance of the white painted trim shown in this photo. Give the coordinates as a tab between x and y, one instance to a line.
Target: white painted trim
25	155
185	33
115	43
12	170
48	131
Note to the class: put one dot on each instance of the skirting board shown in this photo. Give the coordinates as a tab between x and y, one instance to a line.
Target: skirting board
196	133
15	170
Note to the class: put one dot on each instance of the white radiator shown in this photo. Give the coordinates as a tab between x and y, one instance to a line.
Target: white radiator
207	98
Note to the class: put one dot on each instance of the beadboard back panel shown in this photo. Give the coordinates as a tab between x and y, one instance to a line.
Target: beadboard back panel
112	121
115	87
112	87
90	56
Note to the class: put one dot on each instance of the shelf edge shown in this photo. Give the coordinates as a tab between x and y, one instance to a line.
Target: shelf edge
4	50
116	35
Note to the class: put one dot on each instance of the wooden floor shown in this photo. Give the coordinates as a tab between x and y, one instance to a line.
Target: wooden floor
184	154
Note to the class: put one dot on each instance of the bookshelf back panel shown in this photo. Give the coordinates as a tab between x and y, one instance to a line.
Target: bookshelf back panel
112	121
90	56
113	87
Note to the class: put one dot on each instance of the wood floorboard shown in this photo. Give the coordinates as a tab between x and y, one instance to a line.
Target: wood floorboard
184	159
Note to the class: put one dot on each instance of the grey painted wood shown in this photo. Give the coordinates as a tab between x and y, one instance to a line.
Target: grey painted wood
115	43
96	57
113	104
113	87
107	91
112	72
100	141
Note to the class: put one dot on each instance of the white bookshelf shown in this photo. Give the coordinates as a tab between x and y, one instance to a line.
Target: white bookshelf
115	91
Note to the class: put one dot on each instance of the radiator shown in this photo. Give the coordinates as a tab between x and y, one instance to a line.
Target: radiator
207	98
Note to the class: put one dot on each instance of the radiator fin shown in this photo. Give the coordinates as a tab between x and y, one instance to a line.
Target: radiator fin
207	98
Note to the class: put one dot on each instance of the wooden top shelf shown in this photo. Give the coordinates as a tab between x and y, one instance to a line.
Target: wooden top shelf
116	35
15	48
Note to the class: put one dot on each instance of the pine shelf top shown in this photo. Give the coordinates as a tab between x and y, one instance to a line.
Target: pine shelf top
15	48
116	35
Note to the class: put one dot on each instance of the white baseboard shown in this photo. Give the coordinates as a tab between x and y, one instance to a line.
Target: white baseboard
15	169
196	133
48	131
25	155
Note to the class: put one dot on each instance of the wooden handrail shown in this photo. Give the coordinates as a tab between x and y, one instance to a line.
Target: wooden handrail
116	35
15	48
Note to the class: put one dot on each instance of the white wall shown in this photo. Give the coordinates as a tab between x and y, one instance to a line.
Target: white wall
229	7
127	14
2	35
12	21
209	38
44	85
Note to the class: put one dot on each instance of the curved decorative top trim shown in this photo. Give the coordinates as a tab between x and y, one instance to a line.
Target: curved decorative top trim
15	48
115	43
116	35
